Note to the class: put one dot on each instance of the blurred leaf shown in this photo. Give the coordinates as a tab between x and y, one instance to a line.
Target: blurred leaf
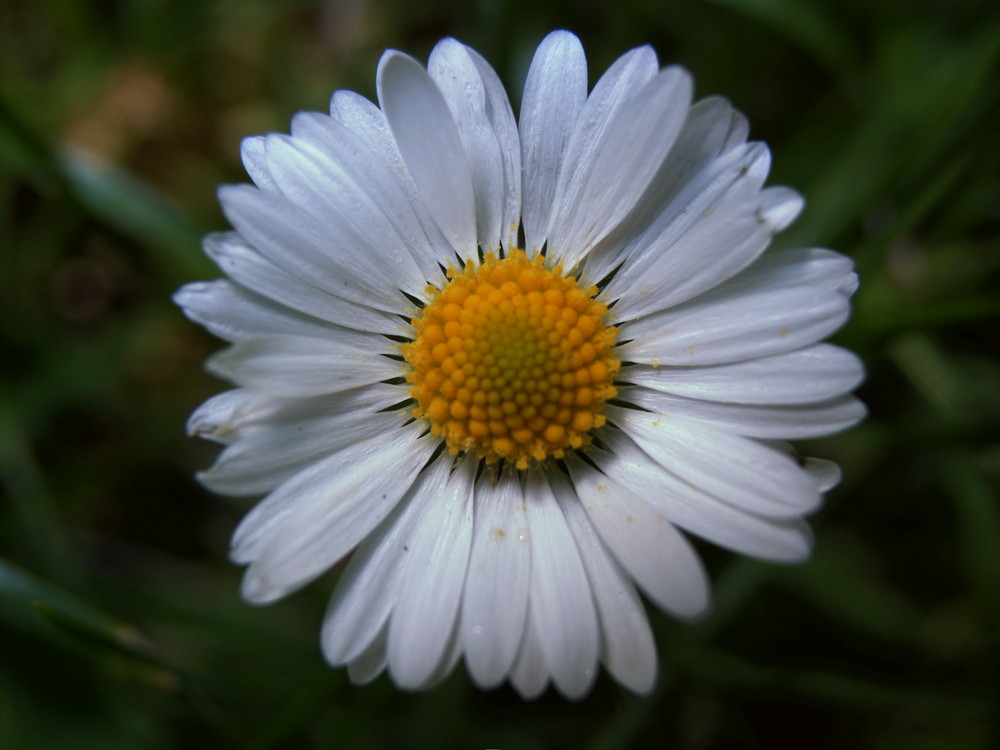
737	584
977	507
929	370
806	24
919	108
927	317
844	690
137	211
71	616
22	478
108	194
843	580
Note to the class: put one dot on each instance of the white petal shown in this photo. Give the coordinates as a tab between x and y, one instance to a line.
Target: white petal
374	164
322	249
306	366
712	230
231	413
626	76
495	602
457	76
437	555
816	373
501	118
215	419
321	514
250	269
644	541
271	439
233	313
712	127
431	146
825	473
562	607
734	469
816	267
369	587
554	93
530	675
780	207
453	652
627	646
621	167
746	325
697	512
267	454
780	422
371	662
370	134
346	210
255	162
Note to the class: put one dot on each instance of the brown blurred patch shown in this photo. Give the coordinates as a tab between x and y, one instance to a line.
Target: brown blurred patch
136	104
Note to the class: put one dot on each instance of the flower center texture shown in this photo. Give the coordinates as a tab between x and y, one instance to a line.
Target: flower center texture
512	361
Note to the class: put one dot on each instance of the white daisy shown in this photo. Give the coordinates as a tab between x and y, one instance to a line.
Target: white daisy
501	364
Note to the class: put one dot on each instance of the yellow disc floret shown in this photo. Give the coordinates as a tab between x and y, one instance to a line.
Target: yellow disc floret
512	360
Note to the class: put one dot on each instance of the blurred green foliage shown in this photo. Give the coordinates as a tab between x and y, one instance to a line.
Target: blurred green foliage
120	621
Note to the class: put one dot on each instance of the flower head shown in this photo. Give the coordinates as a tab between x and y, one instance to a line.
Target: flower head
503	363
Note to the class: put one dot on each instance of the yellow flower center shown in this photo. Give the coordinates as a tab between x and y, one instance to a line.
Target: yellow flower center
512	360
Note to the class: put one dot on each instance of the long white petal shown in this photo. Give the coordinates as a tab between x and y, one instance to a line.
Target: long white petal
712	128
318	516
423	621
370	585
216	418
562	606
268	454
714	228
329	252
627	646
255	162
431	146
305	366
370	157
725	524
252	270
495	603
554	93
734	469
457	76
370	136
530	675
626	77
321	185
622	166
816	373
768	422
826	474
232	313
745	326
226	417
644	541
371	662
501	118
810	266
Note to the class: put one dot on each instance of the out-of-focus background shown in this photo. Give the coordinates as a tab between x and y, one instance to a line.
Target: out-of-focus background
120	620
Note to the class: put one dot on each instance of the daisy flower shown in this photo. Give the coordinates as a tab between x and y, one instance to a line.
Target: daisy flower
502	366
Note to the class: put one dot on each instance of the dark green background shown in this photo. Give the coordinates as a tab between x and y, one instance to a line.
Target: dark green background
120	620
